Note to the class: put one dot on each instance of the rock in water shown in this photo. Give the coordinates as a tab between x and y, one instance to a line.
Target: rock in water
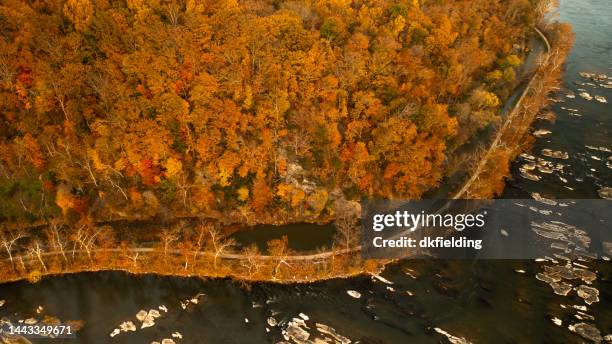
354	294
541	132
605	193
154	313
586	331
589	294
148	322
141	315
585	95
127	326
382	279
561	288
272	322
451	338
331	332
555	154
296	331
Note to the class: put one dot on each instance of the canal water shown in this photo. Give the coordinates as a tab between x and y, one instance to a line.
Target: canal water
481	301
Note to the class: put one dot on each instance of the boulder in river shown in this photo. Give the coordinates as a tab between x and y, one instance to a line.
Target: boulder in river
296	331
589	294
585	96
529	176
561	288
555	154
127	326
545	169
586	331
272	321
141	315
149	321
354	294
194	300
530	166
331	332
452	339
605	193
382	279
154	313
541	132
569	272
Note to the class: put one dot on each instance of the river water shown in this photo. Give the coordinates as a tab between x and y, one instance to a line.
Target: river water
481	301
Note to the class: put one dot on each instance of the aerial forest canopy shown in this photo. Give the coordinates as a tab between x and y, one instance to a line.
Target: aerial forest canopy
260	108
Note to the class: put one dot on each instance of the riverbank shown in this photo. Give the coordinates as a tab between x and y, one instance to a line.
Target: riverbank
241	267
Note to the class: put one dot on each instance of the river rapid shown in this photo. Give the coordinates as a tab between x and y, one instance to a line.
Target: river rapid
479	301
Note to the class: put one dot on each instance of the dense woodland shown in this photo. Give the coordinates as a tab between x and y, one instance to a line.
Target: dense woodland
245	112
260	108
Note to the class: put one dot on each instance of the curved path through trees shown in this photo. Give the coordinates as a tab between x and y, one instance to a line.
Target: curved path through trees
500	133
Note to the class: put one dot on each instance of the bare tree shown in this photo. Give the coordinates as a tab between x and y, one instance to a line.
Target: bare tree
87	165
117	186
8	239
85	237
168	237
299	142
56	238
134	257
201	232
184	186
347	230
279	248
251	261
219	244
37	251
